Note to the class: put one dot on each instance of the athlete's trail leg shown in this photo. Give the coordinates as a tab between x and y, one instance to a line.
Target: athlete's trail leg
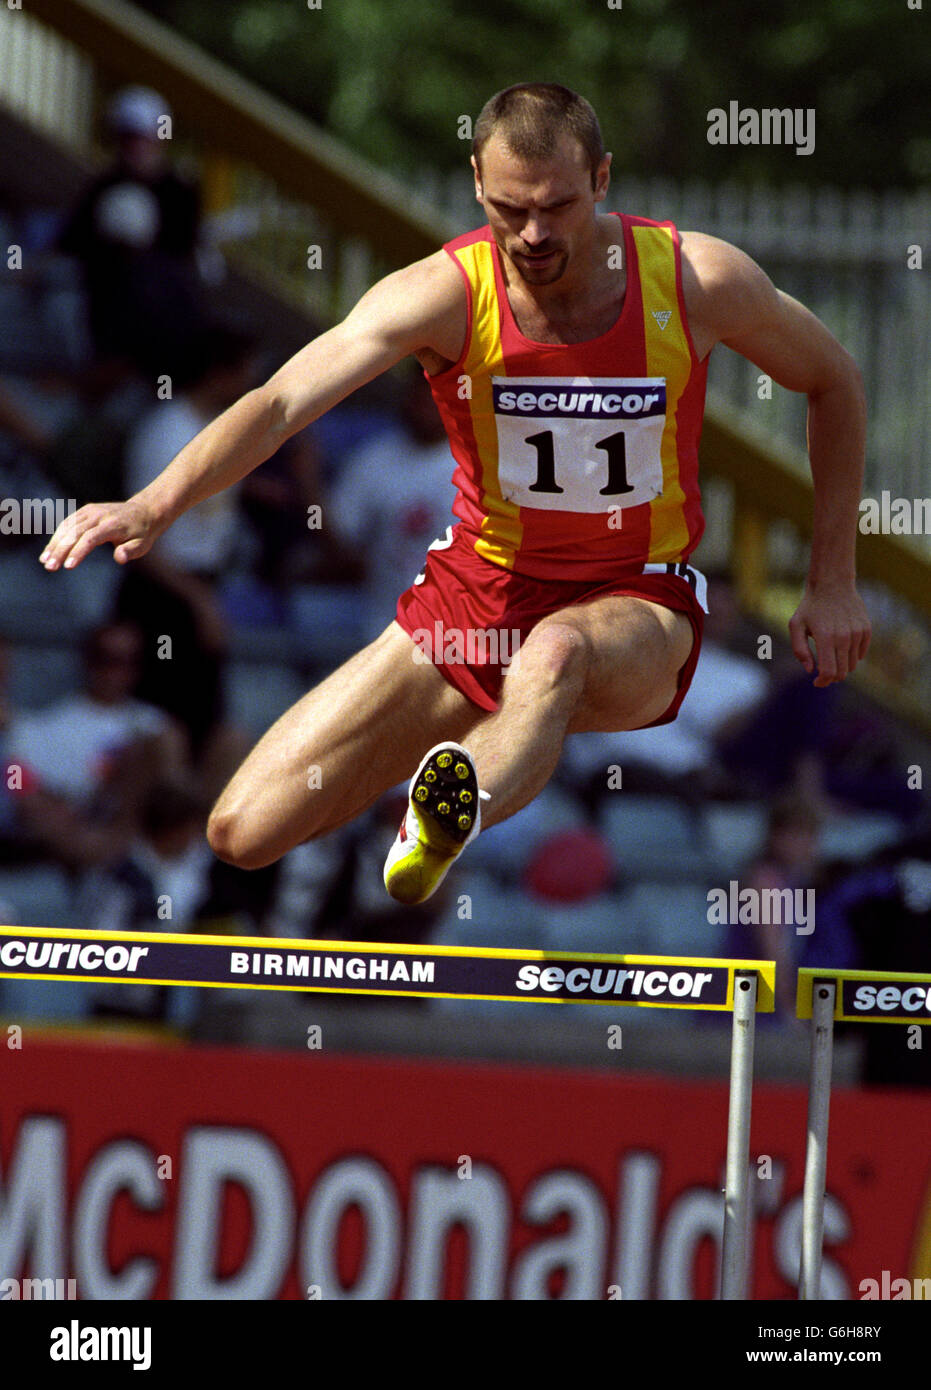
607	665
359	733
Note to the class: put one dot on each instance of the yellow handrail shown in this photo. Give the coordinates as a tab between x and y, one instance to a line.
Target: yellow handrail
241	119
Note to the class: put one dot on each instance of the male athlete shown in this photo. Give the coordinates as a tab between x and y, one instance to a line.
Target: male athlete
567	352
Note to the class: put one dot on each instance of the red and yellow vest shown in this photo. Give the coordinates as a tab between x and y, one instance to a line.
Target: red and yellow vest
580	461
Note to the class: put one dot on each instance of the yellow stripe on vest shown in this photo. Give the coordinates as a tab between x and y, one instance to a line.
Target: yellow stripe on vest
501	535
667	355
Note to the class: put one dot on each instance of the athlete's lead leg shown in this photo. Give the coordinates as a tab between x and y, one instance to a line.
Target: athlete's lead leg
611	664
607	665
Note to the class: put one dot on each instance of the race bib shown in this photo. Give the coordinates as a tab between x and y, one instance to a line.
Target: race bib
585	444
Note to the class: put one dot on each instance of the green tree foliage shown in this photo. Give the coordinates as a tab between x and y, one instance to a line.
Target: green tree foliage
392	77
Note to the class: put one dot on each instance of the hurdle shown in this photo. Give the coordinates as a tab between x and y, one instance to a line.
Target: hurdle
827	997
742	988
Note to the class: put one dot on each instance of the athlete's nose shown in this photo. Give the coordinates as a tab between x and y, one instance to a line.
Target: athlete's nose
535	232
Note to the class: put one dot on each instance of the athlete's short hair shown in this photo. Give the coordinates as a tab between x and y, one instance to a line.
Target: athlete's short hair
532	116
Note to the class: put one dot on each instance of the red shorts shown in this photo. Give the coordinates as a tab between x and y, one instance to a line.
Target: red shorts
469	616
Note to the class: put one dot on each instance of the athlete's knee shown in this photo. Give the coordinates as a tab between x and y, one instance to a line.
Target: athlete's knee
233	839
556	654
245	830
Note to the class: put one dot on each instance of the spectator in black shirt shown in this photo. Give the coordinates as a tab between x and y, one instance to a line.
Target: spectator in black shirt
135	233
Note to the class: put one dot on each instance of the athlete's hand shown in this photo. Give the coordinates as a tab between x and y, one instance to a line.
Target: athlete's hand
128	526
834	618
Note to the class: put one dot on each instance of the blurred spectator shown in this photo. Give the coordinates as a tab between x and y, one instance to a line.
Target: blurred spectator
172	592
571	866
393	498
789	860
82	765
85	456
285	505
159	884
21	423
135	233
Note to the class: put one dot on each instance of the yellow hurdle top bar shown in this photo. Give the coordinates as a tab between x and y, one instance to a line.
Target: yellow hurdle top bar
870	996
366	967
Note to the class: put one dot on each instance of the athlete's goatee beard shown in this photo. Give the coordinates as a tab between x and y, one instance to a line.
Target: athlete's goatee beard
544	274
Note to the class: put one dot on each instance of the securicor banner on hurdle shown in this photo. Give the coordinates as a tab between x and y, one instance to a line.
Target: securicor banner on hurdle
739	987
871	996
361	967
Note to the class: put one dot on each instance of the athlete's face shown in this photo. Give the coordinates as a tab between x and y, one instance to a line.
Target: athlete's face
541	213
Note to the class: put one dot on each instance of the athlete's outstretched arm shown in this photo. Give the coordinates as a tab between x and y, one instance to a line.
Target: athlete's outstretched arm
422	306
735	303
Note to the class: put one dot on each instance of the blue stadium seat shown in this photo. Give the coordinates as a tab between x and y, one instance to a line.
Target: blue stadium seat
328	622
507	848
257	695
499	916
39	896
734	832
856	836
673	919
653	836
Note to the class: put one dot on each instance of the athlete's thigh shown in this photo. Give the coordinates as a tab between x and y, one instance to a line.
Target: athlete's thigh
636	649
358	733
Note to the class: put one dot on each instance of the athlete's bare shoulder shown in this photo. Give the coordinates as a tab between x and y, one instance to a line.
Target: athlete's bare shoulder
724	289
424	306
444	290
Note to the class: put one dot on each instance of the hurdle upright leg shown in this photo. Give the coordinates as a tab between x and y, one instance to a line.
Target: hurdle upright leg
816	1148
737	1168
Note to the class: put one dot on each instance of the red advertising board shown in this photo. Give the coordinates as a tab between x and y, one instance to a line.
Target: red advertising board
190	1172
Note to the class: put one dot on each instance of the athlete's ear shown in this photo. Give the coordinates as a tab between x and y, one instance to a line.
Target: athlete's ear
478	178
602	179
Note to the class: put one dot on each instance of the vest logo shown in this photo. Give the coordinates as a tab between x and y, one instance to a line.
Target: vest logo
580	399
662	317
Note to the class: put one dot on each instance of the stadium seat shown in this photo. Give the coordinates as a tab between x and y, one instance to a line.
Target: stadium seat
500	916
258	694
673	919
734	833
857	836
328	622
41	675
652	836
508	847
39	896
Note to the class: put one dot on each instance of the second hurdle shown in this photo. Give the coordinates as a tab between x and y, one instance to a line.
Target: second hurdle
841	996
